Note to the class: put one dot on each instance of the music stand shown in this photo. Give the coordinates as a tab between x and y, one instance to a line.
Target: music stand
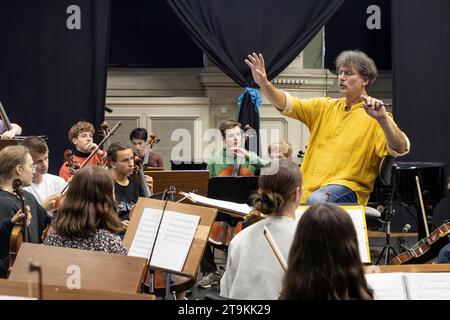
387	180
234	189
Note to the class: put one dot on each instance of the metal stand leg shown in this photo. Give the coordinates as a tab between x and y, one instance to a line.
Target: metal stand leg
168	284
387	248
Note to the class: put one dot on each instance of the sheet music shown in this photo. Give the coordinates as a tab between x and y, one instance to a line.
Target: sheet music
387	286
145	234
358	218
241	208
174	238
2	297
428	286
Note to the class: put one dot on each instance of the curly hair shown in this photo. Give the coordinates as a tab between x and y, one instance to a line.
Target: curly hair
79	127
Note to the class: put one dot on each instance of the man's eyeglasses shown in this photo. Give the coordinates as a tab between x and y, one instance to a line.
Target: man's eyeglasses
346	73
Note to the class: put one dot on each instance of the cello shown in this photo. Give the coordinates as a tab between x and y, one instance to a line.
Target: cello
140	163
19	233
426	249
221	231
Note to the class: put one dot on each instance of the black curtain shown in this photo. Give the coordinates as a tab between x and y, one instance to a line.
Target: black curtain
421	60
228	30
421	83
51	76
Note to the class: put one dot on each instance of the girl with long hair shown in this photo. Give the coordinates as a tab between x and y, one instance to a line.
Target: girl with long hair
87	218
324	261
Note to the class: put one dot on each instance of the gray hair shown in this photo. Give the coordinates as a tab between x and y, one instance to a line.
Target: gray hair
362	63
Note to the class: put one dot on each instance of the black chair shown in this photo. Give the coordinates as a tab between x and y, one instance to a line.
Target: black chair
387	182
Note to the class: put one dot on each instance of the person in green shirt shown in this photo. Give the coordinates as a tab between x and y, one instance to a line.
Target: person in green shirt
232	156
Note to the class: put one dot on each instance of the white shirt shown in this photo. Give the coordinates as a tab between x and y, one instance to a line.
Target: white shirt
49	186
253	271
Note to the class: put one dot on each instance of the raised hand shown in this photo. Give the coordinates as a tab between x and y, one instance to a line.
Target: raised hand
256	64
374	108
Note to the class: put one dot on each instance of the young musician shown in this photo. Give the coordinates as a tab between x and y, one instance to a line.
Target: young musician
16	130
45	187
223	163
81	135
324	261
232	152
127	191
253	271
349	136
280	150
138	138
16	163
87	218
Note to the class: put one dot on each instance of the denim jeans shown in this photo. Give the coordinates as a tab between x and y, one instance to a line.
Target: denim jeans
333	193
444	254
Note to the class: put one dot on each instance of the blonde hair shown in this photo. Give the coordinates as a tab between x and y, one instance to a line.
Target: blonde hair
10	157
283	146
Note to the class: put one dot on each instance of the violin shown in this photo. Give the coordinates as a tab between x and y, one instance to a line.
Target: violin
426	249
71	164
19	233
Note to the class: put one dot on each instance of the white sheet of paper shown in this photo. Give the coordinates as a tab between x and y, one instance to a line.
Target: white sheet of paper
145	234
387	286
357	216
174	238
15	298
241	208
428	286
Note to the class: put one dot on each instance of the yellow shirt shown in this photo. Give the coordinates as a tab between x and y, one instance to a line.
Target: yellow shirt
345	147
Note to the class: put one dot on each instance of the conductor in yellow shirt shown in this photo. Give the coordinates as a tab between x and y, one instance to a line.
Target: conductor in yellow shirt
349	136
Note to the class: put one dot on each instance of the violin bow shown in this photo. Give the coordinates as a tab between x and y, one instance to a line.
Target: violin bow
110	133
275	248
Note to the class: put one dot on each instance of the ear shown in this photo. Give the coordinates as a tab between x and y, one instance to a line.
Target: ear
18	169
74	141
298	195
365	82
